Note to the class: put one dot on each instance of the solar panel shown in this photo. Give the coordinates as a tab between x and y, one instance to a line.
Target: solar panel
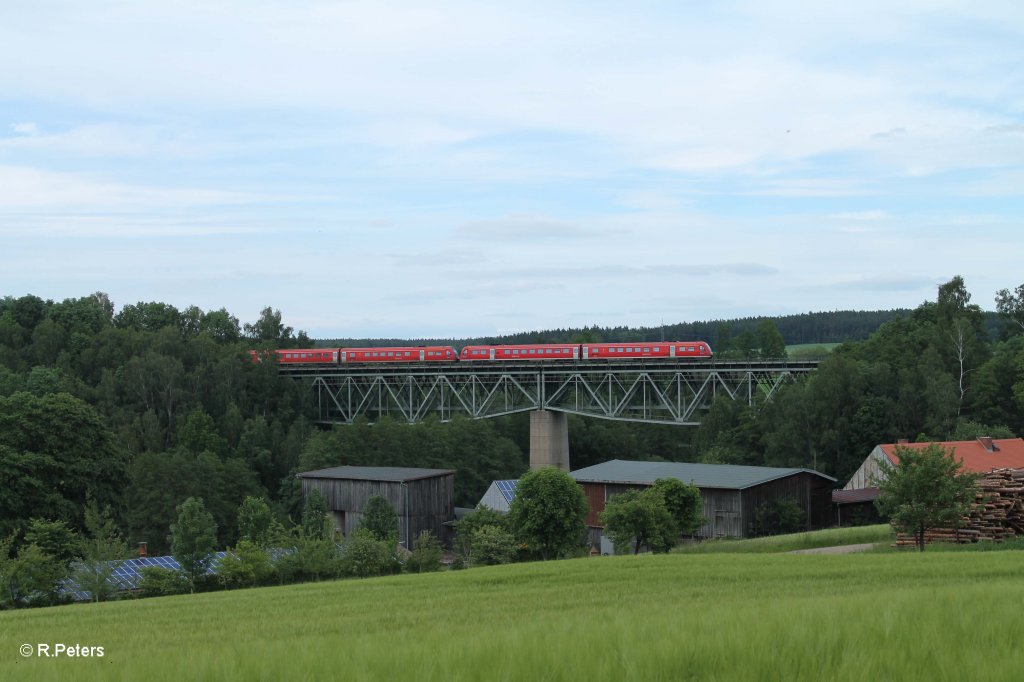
507	489
127	575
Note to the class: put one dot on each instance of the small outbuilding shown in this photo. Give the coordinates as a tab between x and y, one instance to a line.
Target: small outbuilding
423	498
855	503
730	494
499	495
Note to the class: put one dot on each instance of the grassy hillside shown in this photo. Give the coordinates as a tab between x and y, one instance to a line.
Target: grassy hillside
709	617
881	533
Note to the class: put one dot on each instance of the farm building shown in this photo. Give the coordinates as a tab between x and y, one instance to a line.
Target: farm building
423	498
730	494
499	495
980	456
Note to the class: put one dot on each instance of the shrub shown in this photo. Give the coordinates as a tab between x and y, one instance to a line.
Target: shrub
160	582
363	556
778	517
491	545
426	554
469	524
380	518
247	565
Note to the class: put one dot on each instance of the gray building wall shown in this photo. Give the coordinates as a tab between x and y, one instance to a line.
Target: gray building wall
422	504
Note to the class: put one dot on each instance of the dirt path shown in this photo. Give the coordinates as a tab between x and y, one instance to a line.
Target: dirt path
841	549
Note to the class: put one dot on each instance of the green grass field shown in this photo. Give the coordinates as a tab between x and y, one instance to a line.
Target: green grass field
831	537
905	616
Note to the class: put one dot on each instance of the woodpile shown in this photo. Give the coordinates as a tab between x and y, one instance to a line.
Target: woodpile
997	513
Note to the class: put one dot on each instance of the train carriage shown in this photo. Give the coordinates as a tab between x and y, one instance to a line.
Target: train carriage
519	353
653	349
398	354
300	356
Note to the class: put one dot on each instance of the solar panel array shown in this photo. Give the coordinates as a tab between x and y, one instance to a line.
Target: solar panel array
128	574
507	489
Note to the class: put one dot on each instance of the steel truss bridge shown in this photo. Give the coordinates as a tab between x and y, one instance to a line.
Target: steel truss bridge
653	392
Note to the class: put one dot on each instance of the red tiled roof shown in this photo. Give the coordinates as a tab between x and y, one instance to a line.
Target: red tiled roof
1007	453
851	496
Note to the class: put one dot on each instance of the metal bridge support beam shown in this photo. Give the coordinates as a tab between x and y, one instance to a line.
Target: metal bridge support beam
549	440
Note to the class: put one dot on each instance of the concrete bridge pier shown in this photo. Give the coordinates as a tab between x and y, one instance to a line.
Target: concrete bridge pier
549	440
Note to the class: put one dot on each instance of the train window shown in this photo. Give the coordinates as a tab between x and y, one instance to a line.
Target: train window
690	349
647	349
507	352
533	351
657	349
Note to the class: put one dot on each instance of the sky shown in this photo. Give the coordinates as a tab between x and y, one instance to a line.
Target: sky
456	169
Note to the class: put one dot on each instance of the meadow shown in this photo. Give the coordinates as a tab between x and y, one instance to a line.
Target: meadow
906	616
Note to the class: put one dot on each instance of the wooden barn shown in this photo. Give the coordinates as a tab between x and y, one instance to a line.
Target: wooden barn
730	494
423	498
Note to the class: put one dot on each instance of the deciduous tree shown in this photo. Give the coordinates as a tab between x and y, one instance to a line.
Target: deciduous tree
925	489
548	513
380	518
193	539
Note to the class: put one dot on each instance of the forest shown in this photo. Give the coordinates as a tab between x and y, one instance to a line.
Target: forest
139	408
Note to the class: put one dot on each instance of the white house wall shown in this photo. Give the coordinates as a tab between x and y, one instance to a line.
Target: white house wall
869	472
494	499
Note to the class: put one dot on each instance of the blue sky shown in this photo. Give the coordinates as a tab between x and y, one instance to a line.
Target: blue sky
461	168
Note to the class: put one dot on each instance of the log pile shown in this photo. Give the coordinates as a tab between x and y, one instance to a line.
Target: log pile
997	513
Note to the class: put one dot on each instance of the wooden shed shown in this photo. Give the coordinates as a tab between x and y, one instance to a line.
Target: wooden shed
730	494
423	498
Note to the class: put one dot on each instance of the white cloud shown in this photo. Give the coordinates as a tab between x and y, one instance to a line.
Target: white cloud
23	188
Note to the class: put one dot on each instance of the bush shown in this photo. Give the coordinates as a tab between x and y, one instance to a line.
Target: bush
30	579
363	556
247	565
491	545
426	554
472	522
160	582
779	517
380	518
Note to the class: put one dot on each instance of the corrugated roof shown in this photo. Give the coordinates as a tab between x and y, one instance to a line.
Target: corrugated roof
725	476
376	473
1006	453
855	495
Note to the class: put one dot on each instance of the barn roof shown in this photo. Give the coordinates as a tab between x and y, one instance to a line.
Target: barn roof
854	496
979	456
396	474
725	476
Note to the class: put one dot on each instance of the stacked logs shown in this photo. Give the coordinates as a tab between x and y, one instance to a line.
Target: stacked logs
997	513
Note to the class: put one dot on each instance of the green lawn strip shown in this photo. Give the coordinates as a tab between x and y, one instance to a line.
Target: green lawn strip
831	537
895	616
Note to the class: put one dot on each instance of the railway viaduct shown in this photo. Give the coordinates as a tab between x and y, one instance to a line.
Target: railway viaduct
676	392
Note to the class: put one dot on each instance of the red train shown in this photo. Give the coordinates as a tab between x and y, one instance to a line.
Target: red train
512	353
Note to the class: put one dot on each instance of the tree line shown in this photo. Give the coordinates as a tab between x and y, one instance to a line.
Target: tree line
141	408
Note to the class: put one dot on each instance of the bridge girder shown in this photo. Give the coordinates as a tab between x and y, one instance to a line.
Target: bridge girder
652	394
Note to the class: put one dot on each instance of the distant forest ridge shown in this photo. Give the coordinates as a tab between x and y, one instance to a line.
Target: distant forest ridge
805	328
